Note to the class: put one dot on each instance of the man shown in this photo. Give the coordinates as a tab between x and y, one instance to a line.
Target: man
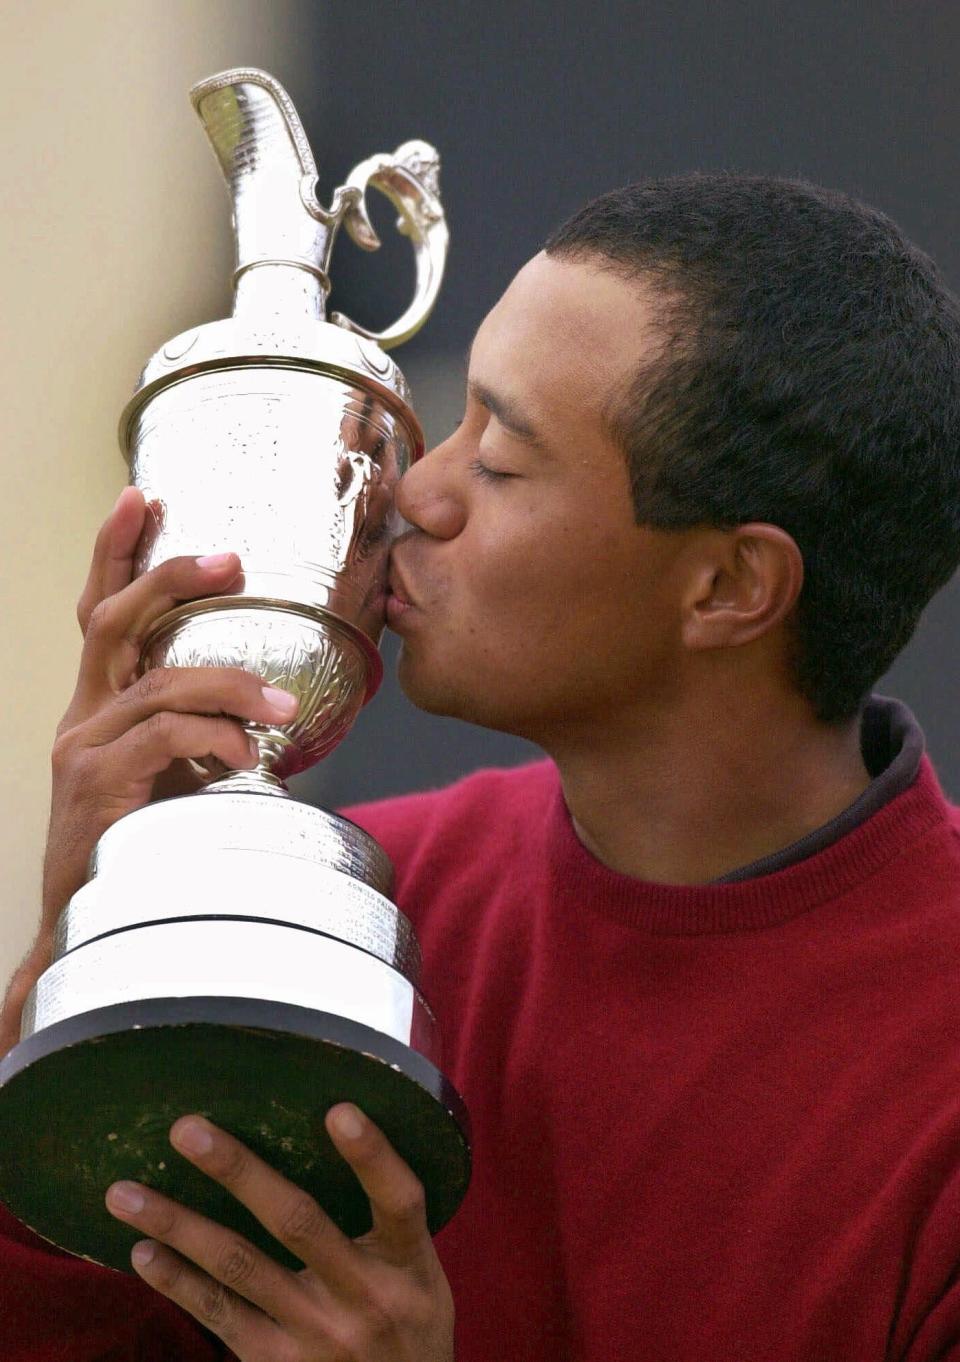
699	971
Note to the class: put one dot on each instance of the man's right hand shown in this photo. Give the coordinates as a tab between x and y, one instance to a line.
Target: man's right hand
122	731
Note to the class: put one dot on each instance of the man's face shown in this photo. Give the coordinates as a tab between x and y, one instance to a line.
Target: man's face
535	600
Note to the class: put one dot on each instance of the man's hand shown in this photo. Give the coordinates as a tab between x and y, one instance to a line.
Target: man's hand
122	731
380	1298
123	734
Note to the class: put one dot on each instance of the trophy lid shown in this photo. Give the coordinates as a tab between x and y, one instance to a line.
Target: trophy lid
284	239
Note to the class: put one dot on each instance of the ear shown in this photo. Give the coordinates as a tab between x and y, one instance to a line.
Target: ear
744	583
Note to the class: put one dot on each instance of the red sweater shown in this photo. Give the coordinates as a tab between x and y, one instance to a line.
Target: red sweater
719	1122
713	1122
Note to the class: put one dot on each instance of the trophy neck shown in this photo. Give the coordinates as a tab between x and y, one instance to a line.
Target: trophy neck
279	224
283	237
268	288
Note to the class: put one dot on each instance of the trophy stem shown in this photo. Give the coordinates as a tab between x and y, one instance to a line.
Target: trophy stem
271	743
260	782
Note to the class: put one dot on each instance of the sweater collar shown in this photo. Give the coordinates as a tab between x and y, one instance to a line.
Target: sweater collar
892	745
902	803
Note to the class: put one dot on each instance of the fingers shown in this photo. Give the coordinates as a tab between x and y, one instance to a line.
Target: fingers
291	1216
111	567
119	623
351	1300
223	1254
189	690
150	747
245	1328
168	713
294	1218
395	1192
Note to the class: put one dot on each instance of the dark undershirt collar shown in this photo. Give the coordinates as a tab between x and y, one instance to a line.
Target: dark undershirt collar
892	744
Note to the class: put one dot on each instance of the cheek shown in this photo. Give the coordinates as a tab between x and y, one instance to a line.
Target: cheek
555	606
519	577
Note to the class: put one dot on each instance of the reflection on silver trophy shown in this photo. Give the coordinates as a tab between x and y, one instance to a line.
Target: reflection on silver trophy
236	952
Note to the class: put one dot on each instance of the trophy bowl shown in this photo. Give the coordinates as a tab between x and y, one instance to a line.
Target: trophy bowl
235	952
294	470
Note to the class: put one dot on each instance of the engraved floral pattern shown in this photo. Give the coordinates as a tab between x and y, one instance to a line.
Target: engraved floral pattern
315	659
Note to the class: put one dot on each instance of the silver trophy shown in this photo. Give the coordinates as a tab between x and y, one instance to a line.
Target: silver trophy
236	952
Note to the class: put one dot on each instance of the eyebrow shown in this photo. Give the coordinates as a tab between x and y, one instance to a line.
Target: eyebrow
510	416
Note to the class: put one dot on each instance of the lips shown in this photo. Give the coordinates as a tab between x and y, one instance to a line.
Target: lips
398	588
398	598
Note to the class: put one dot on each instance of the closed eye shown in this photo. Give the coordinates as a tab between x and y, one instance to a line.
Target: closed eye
480	470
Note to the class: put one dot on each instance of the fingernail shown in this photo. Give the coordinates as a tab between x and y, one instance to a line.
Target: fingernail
143	1253
126	1196
281	701
254	750
348	1122
192	1138
214	560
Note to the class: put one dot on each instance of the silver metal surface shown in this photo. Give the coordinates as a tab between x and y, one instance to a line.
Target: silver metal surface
295	472
253	884
280	436
280	225
242	856
233	958
185	831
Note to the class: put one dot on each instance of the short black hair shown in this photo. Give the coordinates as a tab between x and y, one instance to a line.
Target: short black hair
809	378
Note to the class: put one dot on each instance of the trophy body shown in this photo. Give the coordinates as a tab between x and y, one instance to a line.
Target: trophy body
236	952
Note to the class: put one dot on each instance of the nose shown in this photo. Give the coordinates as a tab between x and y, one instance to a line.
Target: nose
426	496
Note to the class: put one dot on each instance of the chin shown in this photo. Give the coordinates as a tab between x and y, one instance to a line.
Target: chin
432	694
451	697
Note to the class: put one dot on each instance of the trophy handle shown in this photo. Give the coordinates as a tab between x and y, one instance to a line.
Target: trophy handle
410	179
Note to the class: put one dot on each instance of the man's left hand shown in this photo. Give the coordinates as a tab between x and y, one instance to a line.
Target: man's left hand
380	1298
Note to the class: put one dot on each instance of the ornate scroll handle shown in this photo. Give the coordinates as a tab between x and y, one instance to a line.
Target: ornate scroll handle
410	180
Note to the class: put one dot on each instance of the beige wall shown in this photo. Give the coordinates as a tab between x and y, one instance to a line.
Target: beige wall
115	235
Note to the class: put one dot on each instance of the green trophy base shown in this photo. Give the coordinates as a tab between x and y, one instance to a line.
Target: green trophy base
91	1099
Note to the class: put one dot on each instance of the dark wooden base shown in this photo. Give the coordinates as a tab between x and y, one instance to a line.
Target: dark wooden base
91	1099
